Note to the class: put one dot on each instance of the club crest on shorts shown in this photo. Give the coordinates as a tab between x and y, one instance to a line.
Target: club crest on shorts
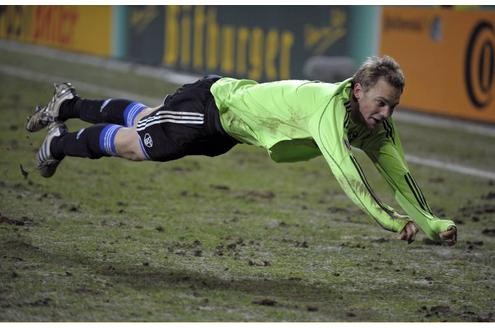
148	141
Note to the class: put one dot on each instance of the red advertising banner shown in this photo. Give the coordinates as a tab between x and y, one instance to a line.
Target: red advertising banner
76	28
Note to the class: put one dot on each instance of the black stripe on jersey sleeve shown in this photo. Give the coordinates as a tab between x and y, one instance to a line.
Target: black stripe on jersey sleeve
366	183
420	192
415	192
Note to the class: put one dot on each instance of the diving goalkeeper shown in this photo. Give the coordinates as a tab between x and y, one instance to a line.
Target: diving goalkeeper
293	120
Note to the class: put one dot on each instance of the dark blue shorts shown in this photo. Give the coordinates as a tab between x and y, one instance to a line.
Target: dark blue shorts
188	123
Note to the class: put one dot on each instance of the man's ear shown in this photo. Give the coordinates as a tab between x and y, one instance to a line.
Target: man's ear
357	90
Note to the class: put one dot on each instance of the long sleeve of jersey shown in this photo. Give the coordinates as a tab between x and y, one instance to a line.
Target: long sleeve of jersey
335	147
384	148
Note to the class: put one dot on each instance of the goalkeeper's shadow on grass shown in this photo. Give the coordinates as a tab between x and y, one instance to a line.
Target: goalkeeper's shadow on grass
151	278
142	277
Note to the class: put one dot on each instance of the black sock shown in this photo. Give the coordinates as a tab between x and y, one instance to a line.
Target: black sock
93	142
116	111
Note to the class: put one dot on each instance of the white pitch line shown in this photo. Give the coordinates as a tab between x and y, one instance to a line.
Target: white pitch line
43	77
441	122
451	167
157	72
110	92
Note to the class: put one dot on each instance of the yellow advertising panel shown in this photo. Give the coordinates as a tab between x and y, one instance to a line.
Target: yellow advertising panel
448	58
76	28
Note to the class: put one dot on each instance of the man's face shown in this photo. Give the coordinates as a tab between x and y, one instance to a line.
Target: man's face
377	103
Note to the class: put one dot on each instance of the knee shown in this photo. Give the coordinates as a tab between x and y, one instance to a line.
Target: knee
127	144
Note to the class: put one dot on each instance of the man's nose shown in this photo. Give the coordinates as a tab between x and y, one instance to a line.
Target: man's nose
385	113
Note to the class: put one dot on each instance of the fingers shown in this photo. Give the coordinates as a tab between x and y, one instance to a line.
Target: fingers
448	237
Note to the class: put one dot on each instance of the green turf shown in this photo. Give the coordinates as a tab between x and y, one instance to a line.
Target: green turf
232	238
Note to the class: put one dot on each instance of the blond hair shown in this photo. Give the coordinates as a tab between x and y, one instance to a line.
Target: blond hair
374	68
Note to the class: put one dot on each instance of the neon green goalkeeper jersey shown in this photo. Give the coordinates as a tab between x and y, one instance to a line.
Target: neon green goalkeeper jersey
299	120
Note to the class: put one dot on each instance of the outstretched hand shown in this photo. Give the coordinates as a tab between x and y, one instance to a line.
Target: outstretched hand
409	232
449	236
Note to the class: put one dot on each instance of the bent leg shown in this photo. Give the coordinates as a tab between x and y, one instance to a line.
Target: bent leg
100	140
93	142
